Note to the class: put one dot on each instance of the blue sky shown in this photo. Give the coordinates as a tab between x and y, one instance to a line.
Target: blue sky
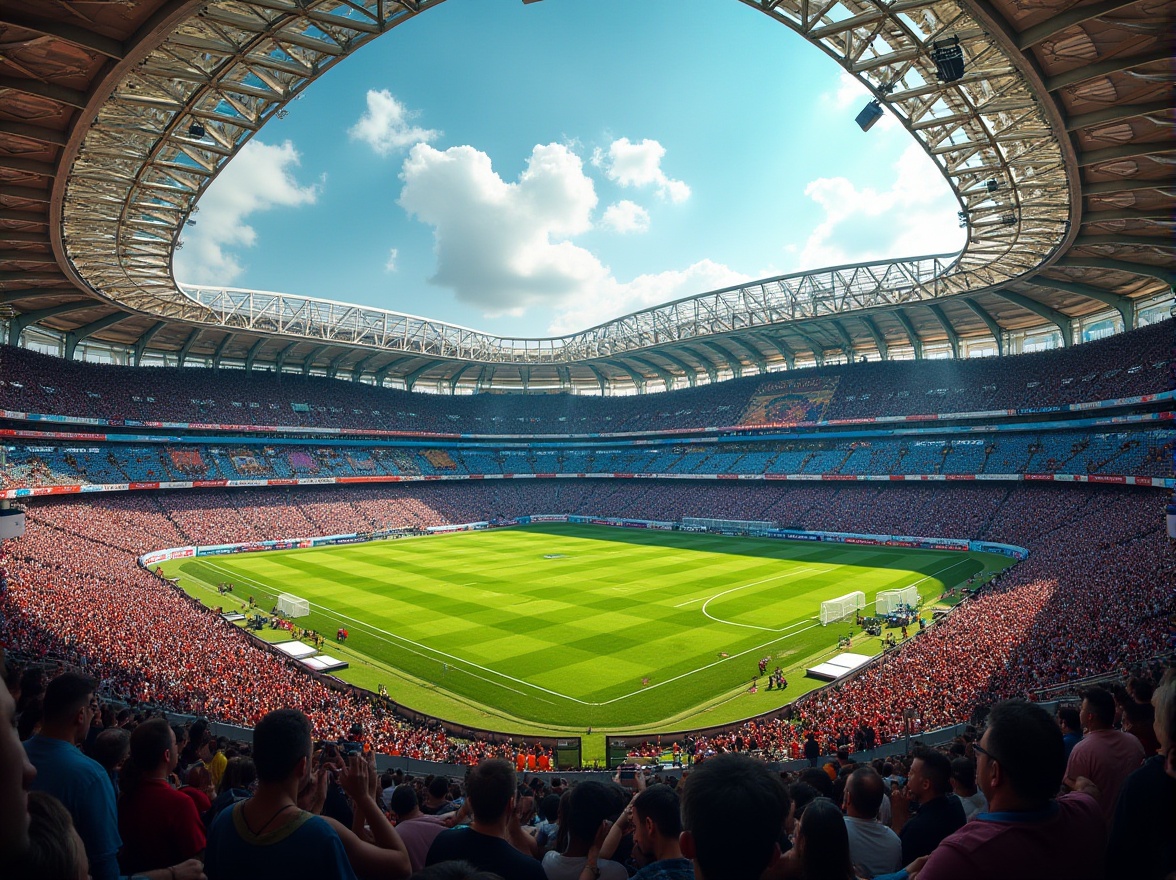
532	170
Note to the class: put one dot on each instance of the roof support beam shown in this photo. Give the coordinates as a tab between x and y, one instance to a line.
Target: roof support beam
280	360
665	375
707	364
253	351
81	37
1165	275
382	373
877	336
781	348
410	380
690	372
916	343
60	94
733	362
188	343
1031	36
357	367
1063	322
846	340
456	377
1102	68
815	347
144	338
73	337
600	379
1124	304
308	361
38	134
18	324
990	322
638	379
952	336
333	366
220	350
1117	113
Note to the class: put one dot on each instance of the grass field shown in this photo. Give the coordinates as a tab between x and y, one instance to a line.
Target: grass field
569	627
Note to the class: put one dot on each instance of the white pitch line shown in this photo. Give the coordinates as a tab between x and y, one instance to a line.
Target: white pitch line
689	602
744	587
424	648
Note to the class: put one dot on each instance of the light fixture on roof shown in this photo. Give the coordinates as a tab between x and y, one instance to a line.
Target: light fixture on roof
196	129
872	112
1009	219
963	215
948	58
992	185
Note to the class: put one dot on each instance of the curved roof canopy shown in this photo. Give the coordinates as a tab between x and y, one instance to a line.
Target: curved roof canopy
1057	140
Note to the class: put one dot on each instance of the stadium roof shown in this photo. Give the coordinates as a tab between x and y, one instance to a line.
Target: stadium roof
1058	141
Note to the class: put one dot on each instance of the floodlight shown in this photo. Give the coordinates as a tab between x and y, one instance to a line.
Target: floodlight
992	185
1009	219
948	58
963	215
196	130
870	114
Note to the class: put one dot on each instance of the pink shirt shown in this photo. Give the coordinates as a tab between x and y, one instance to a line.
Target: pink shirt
418	835
1106	758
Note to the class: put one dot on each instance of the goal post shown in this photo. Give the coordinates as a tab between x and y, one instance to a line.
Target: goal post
843	606
292	606
889	601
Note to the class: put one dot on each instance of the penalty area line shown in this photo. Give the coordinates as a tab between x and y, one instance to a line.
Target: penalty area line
432	654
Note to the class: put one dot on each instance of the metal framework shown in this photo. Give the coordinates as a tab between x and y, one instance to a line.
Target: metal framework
175	119
1059	140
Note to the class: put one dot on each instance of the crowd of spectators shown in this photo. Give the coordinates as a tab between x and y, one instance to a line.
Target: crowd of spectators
1094	593
1123	365
1144	451
1005	797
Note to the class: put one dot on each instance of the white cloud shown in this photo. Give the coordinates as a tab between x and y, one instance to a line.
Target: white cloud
613	298
914	217
500	246
259	178
625	216
386	125
504	247
390	265
630	164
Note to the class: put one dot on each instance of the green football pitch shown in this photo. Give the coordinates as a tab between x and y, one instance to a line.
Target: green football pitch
560	627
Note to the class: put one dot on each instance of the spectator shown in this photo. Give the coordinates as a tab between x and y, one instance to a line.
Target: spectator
963	785
198	787
657	826
437	801
271	828
55	851
822	844
1105	756
873	848
1139	721
1029	832
548	828
80	783
111	748
490	790
16	778
416	829
237	784
1071	726
159	826
585	809
928	786
1142	845
733	811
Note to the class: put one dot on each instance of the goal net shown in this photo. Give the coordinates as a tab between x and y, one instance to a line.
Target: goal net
889	601
290	605
841	607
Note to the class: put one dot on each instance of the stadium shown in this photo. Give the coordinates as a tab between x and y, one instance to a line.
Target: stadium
582	549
